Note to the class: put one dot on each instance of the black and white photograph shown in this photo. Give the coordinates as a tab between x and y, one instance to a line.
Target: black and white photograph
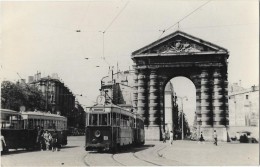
129	83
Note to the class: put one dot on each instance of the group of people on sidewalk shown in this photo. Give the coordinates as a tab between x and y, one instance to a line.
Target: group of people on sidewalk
201	139
46	140
164	137
215	136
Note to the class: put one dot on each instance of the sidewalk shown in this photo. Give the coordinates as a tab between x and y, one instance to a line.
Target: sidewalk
194	153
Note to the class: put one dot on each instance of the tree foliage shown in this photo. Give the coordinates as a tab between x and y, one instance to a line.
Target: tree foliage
15	95
186	128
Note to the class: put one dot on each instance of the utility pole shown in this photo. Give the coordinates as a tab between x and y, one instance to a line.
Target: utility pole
47	89
182	114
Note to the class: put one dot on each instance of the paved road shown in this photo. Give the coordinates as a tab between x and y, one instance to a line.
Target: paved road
181	153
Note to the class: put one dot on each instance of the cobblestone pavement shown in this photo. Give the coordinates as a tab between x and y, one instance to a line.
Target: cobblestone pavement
153	153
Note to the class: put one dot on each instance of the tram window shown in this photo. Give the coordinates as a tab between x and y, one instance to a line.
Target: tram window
87	119
108	119
30	124
131	122
53	125
118	119
102	119
50	124
94	119
46	124
41	123
113	119
121	121
58	124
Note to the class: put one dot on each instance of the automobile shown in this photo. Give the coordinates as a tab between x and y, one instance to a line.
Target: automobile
245	137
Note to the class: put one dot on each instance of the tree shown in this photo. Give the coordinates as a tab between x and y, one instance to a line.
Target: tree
186	128
35	99
12	96
16	95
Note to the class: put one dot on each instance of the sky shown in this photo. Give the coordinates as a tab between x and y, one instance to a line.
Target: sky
42	36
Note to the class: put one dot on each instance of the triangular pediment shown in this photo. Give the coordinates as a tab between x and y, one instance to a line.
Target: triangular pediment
177	43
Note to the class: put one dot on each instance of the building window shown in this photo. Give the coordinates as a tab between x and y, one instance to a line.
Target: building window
247	97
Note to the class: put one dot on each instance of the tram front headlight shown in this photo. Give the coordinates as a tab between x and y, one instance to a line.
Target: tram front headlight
97	133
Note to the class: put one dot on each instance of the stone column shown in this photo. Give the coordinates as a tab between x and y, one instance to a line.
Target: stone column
198	106
154	112
226	108
153	131
135	91
141	94
161	103
205	96
218	105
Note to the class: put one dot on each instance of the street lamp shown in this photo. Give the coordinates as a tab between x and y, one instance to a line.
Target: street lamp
182	132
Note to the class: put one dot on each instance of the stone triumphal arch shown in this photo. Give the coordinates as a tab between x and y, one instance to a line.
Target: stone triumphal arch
180	54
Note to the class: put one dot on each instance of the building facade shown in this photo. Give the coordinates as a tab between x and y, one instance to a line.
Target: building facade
243	109
118	88
59	98
171	109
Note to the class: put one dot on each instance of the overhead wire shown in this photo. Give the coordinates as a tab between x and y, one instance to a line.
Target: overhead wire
106	29
116	16
178	22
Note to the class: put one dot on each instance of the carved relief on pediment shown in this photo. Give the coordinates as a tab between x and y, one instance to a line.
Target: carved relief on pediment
179	46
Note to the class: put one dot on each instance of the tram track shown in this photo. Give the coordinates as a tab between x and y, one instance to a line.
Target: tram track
113	157
146	160
84	159
138	159
130	157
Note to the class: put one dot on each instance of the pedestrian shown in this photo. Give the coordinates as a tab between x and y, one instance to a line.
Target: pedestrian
164	137
215	137
39	139
176	136
171	137
47	137
201	138
50	141
2	144
54	141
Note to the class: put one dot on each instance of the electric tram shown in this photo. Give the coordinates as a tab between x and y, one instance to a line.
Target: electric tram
110	127
19	128
48	122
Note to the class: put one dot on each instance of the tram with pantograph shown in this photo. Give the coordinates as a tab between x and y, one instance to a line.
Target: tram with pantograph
110	127
19	129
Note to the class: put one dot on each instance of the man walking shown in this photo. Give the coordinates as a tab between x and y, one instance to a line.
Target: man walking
215	137
164	137
201	140
171	137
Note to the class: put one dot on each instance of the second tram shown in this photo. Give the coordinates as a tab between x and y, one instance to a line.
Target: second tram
48	122
109	127
19	128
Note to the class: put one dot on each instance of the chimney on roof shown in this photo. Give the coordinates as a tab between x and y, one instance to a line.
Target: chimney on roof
30	79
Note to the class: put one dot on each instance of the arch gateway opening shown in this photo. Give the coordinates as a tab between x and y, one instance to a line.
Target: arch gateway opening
180	108
180	54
